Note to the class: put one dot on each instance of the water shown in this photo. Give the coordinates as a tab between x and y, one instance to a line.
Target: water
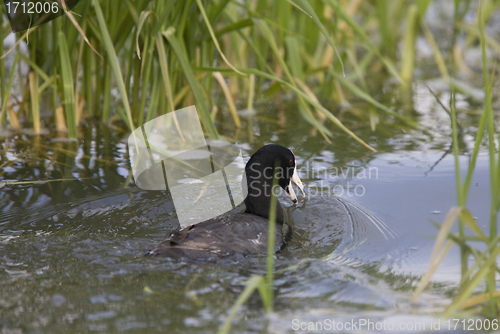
71	252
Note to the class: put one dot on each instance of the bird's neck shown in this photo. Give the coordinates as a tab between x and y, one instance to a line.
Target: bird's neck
258	200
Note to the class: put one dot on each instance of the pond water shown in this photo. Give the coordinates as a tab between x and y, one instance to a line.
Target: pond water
71	252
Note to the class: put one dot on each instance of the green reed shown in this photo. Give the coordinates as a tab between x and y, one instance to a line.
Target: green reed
481	274
265	285
82	59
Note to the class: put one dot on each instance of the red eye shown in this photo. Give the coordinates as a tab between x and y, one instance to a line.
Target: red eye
291	162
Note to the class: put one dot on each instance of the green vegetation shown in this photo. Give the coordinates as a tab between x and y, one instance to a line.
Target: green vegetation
484	269
163	55
264	285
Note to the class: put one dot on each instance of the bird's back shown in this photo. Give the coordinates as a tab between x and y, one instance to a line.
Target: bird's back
221	236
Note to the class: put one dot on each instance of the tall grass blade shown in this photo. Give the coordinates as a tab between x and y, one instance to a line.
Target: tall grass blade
60	121
467	218
188	72
386	26
13	47
13	119
142	19
458	179
154	98
80	30
252	284
271	237
422	6
234	27
6	96
469	288
251	92
35	102
319	125
490	267
214	39
146	70
408	61
162	59
438	251
106	85
68	85
114	63
474	31
437	54
35	67
293	55
479	299
229	98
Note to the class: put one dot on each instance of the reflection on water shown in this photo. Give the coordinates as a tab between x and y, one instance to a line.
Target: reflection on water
71	252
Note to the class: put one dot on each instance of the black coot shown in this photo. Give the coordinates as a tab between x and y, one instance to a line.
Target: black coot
245	232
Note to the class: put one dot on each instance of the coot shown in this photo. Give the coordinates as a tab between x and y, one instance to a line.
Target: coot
245	232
